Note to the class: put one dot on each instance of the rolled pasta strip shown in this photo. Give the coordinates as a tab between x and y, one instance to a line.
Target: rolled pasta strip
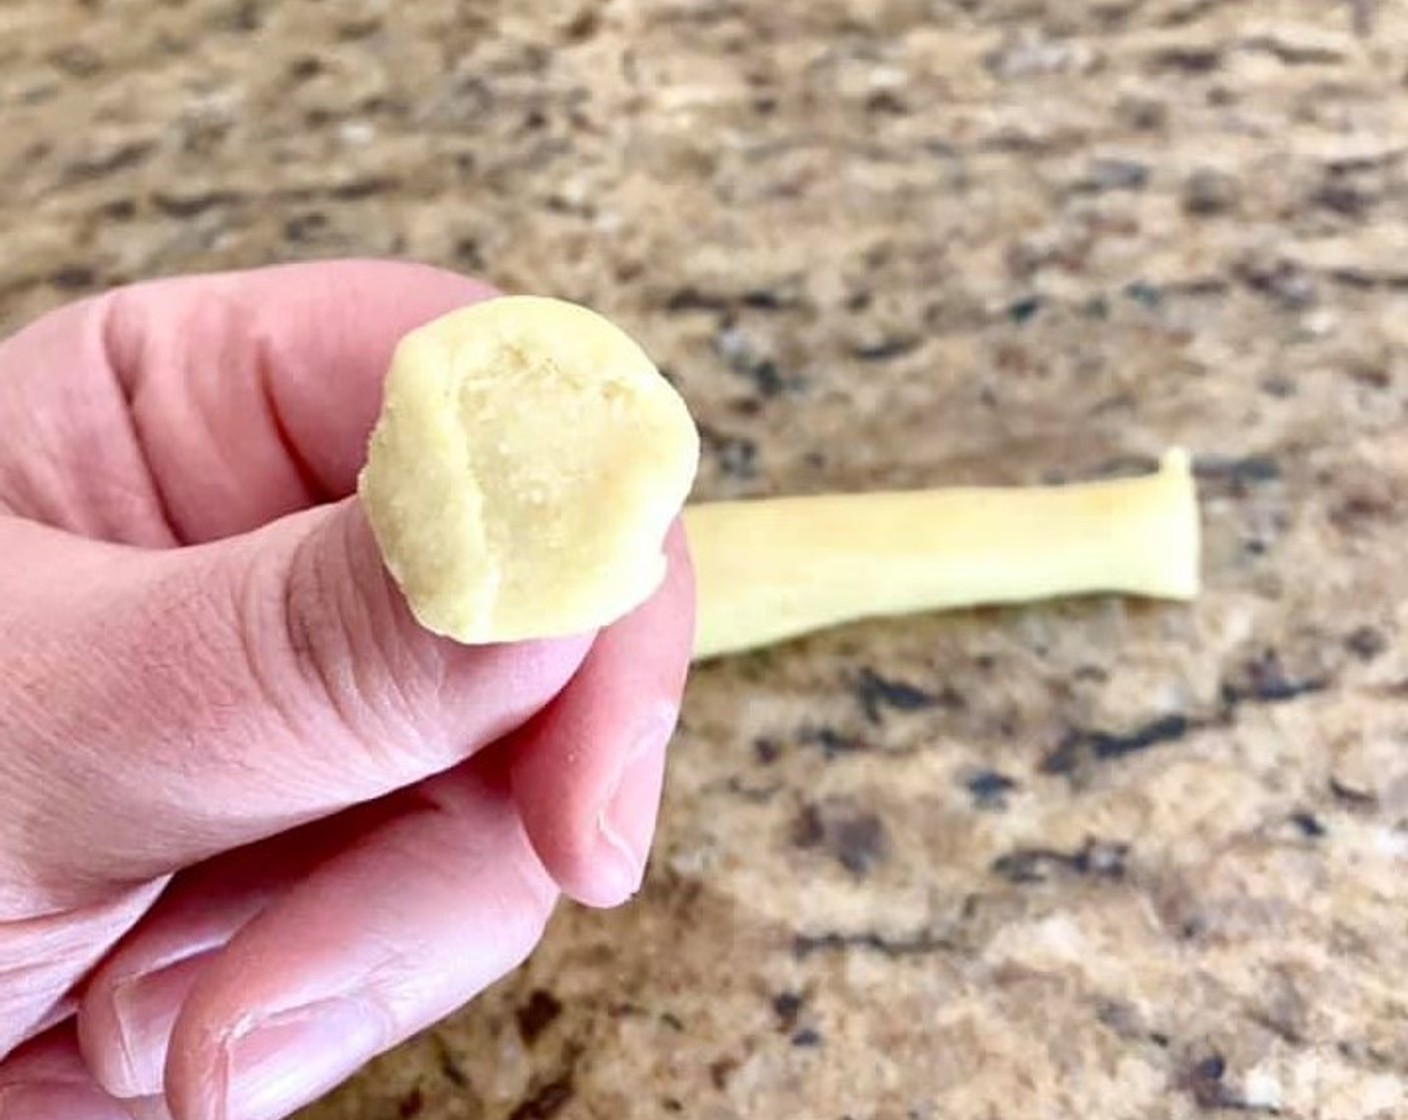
773	569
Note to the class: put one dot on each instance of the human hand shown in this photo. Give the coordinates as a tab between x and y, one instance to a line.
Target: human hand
256	825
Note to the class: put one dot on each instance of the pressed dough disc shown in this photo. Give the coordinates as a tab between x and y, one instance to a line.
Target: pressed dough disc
527	463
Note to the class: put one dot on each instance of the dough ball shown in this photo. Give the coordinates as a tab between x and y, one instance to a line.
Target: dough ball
528	461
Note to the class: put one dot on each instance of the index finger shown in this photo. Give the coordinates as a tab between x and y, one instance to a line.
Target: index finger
269	380
242	396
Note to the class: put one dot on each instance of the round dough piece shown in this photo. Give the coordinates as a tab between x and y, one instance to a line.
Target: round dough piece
527	463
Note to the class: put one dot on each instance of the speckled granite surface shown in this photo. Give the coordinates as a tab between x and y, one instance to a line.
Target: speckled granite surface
1094	860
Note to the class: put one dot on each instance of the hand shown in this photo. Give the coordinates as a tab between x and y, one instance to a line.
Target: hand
257	826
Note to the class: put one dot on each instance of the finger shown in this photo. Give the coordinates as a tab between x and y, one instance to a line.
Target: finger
247	686
588	772
40	958
47	1079
198	407
377	944
130	1003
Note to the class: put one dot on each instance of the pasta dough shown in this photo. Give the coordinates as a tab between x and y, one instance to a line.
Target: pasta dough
773	569
529	460
525	468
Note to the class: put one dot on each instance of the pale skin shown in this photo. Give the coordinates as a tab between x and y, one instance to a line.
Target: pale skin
256	825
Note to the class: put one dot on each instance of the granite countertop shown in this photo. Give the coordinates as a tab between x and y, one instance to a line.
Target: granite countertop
1098	859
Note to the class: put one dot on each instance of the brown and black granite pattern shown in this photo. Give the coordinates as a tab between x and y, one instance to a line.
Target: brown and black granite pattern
1096	859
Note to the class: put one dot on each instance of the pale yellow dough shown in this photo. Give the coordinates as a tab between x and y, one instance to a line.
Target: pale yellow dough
525	468
529	459
777	568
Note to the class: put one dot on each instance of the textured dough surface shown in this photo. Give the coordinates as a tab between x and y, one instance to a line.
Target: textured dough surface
527	463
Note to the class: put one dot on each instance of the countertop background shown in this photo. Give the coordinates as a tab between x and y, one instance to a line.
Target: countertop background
1097	859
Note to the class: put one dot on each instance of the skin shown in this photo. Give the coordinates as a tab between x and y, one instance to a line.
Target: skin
256	826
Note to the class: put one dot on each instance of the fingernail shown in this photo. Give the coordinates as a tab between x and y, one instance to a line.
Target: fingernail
46	1100
627	821
293	1058
146	1007
147	1108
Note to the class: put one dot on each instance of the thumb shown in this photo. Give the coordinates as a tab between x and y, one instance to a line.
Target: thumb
157	707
